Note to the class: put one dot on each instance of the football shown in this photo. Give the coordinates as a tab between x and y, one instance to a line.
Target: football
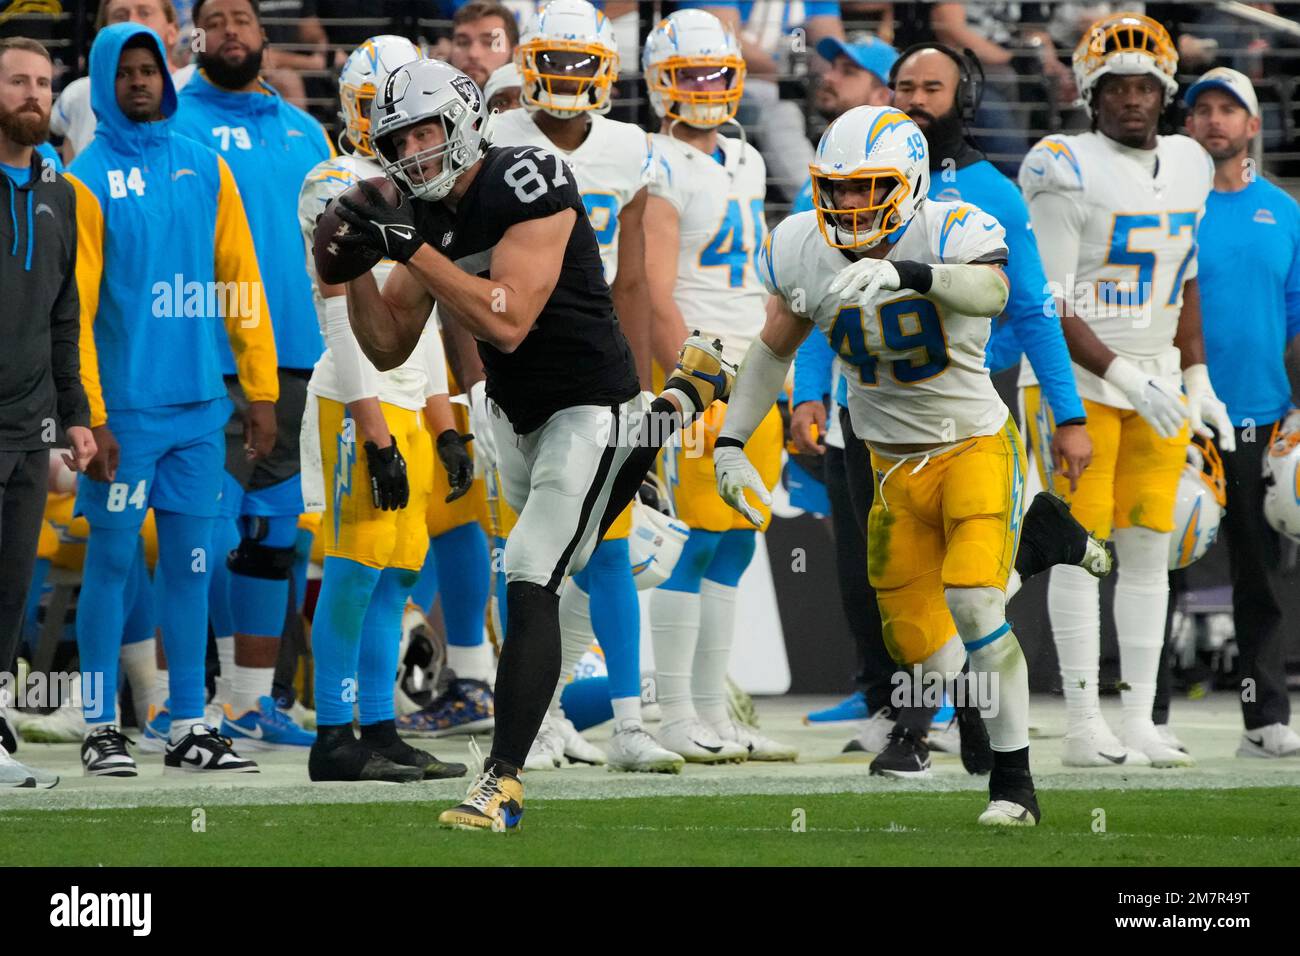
336	264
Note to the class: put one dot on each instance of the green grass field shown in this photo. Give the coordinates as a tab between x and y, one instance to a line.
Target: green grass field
1255	827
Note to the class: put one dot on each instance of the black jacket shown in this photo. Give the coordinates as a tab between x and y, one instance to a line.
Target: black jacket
40	313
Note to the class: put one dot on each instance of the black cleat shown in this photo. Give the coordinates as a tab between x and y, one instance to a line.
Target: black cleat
1050	535
906	757
351	760
976	754
1012	801
383	740
7	739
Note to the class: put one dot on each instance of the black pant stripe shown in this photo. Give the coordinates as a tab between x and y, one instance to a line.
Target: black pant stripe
588	505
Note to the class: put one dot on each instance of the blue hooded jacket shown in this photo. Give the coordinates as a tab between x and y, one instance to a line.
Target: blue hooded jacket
271	146
160	228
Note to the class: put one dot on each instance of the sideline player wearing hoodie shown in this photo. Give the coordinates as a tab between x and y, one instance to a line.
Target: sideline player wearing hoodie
164	255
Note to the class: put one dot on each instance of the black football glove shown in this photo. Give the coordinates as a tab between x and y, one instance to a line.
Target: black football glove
347	238
390	228
389	489
456	459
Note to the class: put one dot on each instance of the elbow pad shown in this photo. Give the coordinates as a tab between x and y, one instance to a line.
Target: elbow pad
969	289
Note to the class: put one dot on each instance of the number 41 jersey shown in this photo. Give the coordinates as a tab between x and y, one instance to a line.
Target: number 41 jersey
720	221
915	368
575	353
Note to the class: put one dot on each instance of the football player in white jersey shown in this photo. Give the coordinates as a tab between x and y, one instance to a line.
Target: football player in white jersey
704	225
567	60
904	287
374	502
1116	212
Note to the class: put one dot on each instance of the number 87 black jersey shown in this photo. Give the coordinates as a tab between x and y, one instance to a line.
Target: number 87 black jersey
576	353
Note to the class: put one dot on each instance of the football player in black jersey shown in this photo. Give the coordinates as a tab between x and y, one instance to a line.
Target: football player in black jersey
500	240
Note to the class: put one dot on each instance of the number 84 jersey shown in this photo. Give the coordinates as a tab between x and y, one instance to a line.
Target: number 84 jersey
915	368
719	203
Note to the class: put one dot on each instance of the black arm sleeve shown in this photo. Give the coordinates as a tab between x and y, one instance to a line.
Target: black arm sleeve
65	340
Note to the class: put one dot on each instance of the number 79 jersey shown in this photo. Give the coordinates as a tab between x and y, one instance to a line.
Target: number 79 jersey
720	229
915	368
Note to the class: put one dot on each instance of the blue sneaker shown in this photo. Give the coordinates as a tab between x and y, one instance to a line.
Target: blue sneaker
466	707
853	707
266	728
156	733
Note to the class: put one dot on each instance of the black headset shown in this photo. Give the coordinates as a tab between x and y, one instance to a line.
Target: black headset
970	86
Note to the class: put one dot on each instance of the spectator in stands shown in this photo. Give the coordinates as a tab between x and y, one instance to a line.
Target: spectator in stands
40	385
293	48
72	118
769	30
1250	306
484	35
989	28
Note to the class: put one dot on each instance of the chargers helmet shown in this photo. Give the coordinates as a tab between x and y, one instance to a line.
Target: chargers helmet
568	59
1282	484
366	67
657	537
686	52
1125	43
1198	505
878	148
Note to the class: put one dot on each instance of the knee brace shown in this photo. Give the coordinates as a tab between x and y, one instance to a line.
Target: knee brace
979	613
255	560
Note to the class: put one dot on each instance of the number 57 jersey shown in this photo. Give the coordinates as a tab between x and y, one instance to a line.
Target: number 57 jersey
915	368
1132	215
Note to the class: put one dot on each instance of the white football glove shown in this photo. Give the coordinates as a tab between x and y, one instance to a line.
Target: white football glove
1205	409
1160	405
735	472
861	281
480	423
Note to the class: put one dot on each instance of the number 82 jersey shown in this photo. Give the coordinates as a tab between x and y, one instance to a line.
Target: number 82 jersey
915	368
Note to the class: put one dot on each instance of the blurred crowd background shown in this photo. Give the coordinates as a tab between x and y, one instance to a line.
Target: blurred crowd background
1023	48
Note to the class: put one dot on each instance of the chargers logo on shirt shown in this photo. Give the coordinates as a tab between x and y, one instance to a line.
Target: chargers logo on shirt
1265	216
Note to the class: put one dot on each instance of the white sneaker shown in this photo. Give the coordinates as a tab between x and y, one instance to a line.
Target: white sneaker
575	747
873	733
66	725
1274	740
15	774
632	749
1007	813
758	746
697	742
1093	744
547	750
1144	738
1169	738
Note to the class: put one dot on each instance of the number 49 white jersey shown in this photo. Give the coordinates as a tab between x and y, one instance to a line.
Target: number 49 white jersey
720	227
1134	215
611	166
915	368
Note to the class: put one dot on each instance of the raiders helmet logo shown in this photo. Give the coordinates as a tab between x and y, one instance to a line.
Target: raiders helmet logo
464	86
